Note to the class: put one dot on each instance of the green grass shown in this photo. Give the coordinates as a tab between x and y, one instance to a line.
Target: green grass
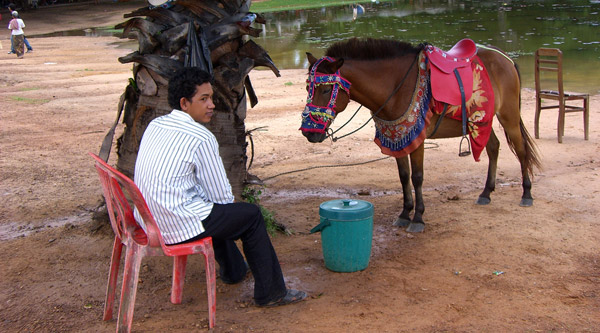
29	100
110	29
269	221
251	194
281	5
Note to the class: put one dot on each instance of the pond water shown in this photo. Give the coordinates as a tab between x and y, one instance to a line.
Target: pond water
517	27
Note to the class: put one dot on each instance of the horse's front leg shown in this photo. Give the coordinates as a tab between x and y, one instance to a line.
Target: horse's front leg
416	163
404	172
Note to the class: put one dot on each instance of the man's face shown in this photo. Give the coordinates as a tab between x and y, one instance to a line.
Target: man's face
201	106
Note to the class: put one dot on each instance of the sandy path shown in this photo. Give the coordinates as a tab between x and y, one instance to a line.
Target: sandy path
59	101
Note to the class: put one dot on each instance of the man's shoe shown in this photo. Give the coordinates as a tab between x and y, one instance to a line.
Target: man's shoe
29	50
291	296
227	281
10	52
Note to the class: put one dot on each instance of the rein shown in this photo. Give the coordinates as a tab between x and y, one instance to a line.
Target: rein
334	139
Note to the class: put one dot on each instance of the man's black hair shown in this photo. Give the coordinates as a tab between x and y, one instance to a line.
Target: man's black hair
183	84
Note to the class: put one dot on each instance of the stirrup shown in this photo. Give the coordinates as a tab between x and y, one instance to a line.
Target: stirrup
467	152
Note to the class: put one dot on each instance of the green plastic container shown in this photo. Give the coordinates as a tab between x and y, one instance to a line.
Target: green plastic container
346	234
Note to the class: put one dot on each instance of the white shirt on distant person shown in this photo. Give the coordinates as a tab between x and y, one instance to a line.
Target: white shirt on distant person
19	27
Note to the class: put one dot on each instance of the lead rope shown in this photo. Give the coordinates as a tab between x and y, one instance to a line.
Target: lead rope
432	146
378	110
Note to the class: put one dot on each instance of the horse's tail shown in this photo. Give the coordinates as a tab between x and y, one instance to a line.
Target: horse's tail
532	156
518	76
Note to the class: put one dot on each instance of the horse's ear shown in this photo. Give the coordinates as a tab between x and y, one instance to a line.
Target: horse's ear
311	58
336	65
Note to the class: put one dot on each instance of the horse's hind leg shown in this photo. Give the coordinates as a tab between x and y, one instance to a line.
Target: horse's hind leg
404	172
492	148
523	146
527	154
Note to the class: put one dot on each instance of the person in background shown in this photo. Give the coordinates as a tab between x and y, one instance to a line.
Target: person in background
181	175
12	8
16	36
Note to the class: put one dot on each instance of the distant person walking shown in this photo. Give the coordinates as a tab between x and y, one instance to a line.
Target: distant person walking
12	8
16	36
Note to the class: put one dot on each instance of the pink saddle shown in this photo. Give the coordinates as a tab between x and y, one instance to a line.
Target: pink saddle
444	84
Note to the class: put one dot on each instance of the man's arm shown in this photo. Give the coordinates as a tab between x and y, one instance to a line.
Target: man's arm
211	174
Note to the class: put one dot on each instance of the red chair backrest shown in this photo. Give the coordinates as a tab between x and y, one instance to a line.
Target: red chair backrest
117	189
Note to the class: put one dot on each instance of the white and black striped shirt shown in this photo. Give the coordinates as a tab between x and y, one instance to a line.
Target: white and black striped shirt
180	173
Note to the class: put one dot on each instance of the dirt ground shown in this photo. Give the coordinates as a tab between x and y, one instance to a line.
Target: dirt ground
59	101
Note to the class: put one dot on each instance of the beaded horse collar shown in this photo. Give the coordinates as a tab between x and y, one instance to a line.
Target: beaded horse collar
400	137
316	118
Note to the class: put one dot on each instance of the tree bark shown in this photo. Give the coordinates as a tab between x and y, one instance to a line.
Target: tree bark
164	46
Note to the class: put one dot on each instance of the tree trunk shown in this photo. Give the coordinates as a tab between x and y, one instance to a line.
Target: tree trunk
202	33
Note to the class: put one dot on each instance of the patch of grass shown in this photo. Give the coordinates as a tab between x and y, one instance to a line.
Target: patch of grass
29	100
30	89
251	194
281	5
288	84
269	221
111	30
85	70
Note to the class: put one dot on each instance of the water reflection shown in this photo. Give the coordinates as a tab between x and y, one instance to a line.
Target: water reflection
89	32
518	27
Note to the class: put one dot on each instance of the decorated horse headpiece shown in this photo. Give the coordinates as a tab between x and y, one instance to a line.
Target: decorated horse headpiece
316	118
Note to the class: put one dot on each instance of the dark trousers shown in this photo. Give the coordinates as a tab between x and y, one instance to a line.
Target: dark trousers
240	220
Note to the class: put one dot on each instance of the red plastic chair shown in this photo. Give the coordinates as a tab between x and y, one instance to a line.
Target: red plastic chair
117	189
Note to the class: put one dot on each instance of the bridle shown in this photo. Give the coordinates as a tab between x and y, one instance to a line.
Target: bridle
316	118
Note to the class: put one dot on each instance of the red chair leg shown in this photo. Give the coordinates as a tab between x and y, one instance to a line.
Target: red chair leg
111	287
131	273
179	263
211	289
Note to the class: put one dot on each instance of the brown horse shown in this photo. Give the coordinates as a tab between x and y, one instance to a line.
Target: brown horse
381	75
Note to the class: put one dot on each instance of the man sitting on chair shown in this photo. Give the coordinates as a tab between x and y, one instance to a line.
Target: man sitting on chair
181	175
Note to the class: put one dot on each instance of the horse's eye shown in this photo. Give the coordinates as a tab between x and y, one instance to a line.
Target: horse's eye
327	91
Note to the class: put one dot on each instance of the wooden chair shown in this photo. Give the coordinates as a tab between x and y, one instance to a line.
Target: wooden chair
550	60
118	189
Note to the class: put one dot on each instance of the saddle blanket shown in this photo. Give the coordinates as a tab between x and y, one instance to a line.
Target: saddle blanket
480	108
400	137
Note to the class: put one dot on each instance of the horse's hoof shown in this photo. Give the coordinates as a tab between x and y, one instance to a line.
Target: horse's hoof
415	227
483	201
400	222
526	202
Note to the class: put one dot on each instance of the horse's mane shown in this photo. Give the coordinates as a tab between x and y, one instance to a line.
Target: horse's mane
371	49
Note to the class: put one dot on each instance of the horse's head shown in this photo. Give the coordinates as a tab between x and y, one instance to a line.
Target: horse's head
325	100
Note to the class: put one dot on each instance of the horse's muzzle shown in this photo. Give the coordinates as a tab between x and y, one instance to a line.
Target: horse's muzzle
314	137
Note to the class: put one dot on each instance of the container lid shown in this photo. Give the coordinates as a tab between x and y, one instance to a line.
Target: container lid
346	209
